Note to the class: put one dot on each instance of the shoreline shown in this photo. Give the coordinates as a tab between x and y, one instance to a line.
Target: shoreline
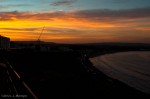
115	81
110	52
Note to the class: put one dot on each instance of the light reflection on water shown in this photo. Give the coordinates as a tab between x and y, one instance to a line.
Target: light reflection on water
132	68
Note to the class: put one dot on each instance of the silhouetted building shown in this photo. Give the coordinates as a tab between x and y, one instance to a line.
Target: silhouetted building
4	42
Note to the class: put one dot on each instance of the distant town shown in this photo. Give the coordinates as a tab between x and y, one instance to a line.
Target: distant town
6	43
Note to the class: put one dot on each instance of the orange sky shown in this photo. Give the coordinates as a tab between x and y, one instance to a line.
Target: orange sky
74	28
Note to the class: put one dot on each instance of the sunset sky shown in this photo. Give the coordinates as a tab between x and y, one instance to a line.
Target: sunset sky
76	21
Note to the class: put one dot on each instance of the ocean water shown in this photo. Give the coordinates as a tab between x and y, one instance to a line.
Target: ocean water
132	68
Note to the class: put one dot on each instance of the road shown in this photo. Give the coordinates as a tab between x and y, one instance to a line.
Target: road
11	84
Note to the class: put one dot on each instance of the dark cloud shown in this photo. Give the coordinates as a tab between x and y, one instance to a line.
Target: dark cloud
4	16
20	29
30	15
115	14
3	7
121	1
66	31
19	5
13	5
94	15
63	3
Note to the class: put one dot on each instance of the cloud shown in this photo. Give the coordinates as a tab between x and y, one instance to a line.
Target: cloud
3	7
20	29
4	16
13	5
115	14
63	3
19	5
91	15
121	1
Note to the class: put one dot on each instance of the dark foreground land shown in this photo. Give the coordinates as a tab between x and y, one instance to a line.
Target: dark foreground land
66	75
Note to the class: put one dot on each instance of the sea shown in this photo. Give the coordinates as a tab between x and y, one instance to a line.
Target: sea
131	68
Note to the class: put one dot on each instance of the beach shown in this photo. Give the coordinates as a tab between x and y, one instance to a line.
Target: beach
131	68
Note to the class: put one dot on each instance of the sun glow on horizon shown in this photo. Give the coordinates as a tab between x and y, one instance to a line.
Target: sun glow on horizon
78	26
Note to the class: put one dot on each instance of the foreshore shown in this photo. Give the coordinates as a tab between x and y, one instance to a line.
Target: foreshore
121	87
